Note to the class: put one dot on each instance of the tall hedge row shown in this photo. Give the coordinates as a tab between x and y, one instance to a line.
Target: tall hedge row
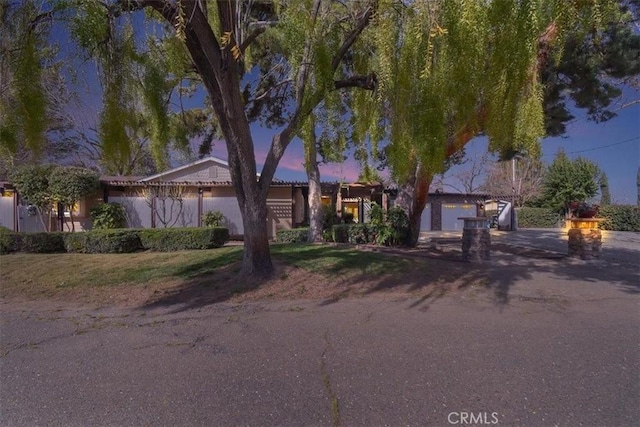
620	217
616	218
114	241
538	218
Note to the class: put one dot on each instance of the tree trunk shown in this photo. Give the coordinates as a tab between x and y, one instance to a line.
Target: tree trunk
218	67
412	197
256	258
315	204
315	189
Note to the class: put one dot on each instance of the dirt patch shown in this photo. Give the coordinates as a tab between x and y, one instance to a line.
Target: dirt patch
427	277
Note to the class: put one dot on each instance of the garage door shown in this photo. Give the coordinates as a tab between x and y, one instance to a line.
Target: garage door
425	219
452	211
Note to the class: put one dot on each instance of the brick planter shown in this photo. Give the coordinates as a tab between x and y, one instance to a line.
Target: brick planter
585	239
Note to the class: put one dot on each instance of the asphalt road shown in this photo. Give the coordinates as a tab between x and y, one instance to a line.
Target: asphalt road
616	246
546	343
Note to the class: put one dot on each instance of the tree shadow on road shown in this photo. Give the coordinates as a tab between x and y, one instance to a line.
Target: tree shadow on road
423	275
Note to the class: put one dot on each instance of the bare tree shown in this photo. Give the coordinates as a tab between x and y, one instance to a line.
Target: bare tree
520	178
466	177
166	202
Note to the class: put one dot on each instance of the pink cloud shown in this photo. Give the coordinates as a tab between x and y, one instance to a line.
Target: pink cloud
291	166
347	171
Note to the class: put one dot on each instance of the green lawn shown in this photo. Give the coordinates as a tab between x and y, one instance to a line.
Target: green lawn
56	271
338	260
75	270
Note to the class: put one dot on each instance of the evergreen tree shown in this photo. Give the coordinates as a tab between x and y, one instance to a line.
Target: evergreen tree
605	194
567	181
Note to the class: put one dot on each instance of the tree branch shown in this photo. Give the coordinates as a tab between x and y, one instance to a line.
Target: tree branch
369	82
251	37
352	37
304	108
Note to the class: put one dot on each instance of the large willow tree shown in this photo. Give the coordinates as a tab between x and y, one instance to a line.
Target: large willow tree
143	79
33	95
450	70
225	39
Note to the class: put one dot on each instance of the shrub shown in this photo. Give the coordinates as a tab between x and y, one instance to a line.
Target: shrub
398	221
293	236
340	233
537	218
175	239
620	217
329	217
358	233
376	214
213	219
10	241
103	241
108	216
42	243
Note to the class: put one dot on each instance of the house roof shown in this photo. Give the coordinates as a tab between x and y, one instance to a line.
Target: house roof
140	183
210	159
120	178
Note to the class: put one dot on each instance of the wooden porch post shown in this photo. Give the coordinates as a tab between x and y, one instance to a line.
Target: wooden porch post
339	202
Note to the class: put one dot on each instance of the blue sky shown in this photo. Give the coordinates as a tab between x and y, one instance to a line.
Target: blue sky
613	145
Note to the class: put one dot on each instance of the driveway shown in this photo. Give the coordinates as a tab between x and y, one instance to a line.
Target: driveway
617	246
534	343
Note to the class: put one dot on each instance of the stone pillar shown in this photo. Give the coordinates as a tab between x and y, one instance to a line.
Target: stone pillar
476	239
585	243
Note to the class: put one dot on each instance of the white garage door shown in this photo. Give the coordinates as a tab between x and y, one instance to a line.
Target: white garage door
452	211
425	219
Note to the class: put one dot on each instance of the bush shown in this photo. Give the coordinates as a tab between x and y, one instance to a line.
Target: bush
620	217
103	241
293	236
213	219
108	216
42	243
398	221
10	241
175	239
340	233
358	233
537	218
329	217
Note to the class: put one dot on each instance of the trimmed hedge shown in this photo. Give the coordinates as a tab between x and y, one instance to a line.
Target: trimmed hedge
42	243
103	241
10	241
295	235
175	239
359	233
620	217
538	218
114	241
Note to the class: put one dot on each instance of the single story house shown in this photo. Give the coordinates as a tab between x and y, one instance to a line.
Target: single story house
181	196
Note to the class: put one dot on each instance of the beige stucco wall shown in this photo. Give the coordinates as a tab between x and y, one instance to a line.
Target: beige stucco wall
279	202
